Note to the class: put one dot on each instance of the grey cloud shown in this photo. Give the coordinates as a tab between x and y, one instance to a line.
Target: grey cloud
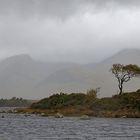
58	8
68	30
50	8
120	2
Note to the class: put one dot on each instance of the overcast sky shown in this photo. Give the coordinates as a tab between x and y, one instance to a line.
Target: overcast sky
68	30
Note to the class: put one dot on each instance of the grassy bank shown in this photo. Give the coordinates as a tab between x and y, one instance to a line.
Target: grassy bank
77	104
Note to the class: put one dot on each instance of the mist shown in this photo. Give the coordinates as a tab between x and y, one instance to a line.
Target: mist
79	31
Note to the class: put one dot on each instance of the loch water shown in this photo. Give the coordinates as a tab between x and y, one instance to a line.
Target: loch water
21	127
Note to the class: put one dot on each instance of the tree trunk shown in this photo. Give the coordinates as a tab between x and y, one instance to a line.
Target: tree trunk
120	90
120	87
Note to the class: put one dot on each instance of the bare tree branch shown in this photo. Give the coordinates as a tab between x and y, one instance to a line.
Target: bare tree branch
124	73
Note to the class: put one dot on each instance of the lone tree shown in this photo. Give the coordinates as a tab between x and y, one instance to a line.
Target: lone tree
124	73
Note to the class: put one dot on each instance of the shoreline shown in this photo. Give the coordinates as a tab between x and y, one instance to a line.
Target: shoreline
101	114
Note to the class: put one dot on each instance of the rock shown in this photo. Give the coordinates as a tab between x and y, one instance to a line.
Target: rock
27	114
124	117
2	116
84	117
59	115
15	111
44	115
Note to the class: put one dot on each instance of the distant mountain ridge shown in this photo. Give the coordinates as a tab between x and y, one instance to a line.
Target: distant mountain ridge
21	76
92	77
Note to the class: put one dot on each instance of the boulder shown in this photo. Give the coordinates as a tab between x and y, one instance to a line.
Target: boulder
59	115
44	115
84	117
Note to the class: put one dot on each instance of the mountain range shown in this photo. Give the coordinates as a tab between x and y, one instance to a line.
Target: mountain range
22	76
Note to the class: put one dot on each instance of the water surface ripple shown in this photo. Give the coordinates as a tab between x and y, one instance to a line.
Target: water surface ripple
19	127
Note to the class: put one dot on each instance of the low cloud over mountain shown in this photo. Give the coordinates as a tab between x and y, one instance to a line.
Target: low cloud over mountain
22	76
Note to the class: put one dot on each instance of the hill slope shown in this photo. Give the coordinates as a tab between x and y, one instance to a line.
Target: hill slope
21	76
81	78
